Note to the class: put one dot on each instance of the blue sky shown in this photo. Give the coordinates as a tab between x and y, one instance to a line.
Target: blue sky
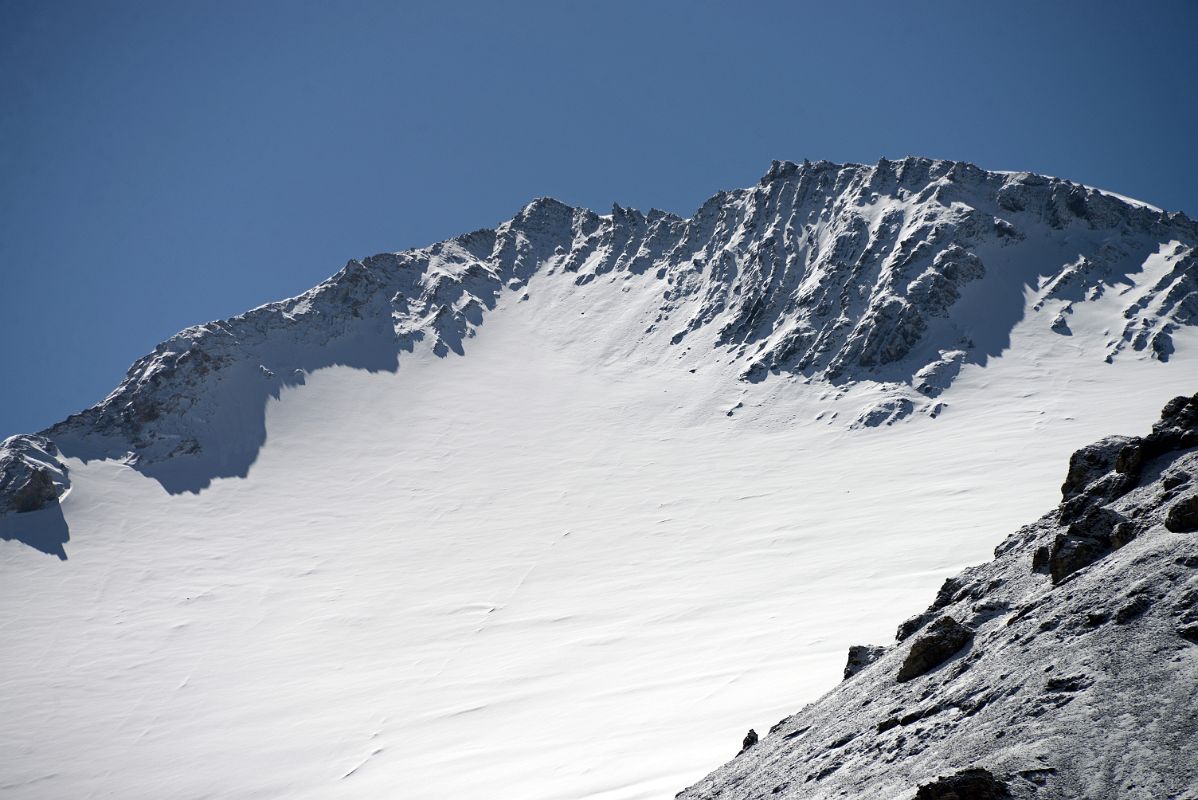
168	163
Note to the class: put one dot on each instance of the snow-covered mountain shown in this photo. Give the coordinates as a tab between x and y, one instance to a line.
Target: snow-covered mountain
565	505
897	273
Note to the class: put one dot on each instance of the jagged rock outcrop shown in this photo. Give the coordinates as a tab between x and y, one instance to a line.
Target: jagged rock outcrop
1104	472
898	272
860	657
1080	672
943	639
969	784
31	476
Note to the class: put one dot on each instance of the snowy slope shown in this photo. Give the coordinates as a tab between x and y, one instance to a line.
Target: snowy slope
313	552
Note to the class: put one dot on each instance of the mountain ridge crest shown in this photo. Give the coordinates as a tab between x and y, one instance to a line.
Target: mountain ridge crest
898	273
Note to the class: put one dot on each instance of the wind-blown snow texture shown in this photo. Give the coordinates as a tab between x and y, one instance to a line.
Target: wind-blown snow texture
651	508
1073	685
899	273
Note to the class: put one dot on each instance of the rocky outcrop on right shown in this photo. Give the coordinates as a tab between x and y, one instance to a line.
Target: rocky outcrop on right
1106	471
1067	667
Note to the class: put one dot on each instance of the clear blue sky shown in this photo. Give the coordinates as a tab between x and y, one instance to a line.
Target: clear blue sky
167	163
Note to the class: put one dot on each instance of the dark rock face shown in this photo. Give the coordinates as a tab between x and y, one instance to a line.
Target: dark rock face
1177	427
1095	534
1101	473
1094	461
1070	553
1040	559
860	657
1183	515
749	740
941	641
37	492
31	476
970	784
912	625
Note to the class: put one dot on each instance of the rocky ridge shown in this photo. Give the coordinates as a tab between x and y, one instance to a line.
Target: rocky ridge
897	273
1056	670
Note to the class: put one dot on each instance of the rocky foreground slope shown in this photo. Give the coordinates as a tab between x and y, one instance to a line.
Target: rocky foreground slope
897	273
1067	667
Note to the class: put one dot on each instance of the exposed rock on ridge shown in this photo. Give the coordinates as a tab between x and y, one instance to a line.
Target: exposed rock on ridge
1080	685
898	272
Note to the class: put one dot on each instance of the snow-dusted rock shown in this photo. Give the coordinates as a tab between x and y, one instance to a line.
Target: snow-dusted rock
937	376
860	657
1097	460
884	412
975	784
31	476
942	640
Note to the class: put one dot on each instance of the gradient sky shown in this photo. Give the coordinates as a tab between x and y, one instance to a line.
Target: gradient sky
166	163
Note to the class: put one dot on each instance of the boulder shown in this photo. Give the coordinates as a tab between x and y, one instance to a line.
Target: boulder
1112	454
912	625
970	784
942	640
1095	534
860	657
1183	515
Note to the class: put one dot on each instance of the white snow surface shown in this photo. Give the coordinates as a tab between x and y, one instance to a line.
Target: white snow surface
556	567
